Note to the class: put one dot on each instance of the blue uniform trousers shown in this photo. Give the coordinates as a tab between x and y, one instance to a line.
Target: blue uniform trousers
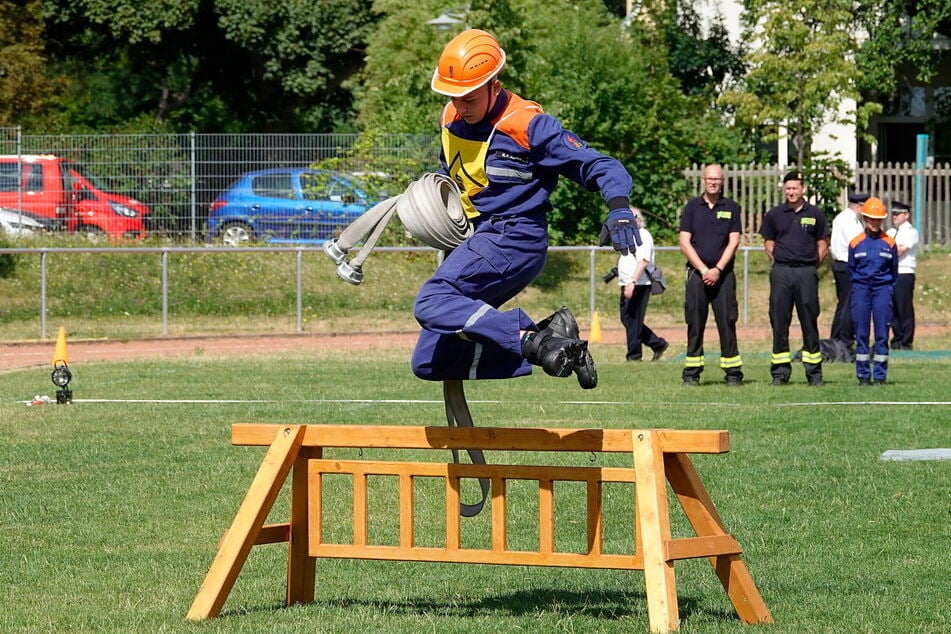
871	304
464	334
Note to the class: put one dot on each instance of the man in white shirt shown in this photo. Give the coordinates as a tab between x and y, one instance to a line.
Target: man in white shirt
845	226
635	286
903	308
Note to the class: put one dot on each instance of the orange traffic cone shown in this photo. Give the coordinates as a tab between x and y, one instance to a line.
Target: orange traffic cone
595	336
59	355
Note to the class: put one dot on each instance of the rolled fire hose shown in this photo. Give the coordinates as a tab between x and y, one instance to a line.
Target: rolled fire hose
431	210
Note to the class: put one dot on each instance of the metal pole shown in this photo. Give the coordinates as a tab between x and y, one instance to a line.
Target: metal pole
746	286
300	293
43	294
194	200
165	292
921	161
591	255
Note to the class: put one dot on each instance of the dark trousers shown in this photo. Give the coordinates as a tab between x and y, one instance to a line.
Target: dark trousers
639	334
794	286
903	309
842	328
871	304
698	300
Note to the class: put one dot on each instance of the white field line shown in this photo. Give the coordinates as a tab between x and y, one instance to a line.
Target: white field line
385	401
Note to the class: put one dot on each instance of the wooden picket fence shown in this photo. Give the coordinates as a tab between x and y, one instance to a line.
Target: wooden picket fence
757	188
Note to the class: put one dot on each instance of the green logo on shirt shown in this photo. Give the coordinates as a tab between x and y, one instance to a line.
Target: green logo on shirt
807	221
724	215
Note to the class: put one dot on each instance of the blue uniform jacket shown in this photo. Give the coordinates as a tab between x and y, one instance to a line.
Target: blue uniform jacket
873	259
526	155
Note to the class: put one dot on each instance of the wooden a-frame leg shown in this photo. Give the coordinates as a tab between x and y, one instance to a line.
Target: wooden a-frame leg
653	524
301	568
247	523
703	516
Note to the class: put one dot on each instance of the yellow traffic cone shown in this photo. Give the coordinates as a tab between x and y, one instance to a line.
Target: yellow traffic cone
59	355
595	336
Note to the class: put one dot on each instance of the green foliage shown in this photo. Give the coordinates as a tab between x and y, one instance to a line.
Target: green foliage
900	41
802	71
214	66
8	261
26	87
826	177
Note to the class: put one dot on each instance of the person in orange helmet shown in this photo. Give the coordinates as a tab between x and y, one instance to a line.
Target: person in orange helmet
873	265
506	156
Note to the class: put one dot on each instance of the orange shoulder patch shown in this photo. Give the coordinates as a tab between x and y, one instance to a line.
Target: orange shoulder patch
515	118
890	241
857	239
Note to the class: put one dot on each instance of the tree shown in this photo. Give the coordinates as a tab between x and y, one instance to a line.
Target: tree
801	69
26	87
229	65
900	34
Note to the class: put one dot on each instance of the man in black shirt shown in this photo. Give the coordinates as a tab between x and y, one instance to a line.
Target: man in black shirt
796	238
710	230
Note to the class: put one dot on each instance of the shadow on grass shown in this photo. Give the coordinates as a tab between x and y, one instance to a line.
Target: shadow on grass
607	605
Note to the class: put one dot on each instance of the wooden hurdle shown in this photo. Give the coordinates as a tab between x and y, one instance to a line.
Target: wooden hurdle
659	456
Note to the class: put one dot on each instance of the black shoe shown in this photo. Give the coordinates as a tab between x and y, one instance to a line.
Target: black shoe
865	382
660	351
734	381
691	381
778	380
878	383
563	324
816	382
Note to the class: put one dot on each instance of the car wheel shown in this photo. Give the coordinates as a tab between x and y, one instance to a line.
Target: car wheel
236	234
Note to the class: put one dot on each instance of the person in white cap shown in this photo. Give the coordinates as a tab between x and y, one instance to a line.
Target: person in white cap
906	237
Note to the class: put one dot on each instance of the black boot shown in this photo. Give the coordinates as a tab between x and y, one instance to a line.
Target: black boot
563	324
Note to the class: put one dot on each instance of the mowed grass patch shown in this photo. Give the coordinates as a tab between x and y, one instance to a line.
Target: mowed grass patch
110	511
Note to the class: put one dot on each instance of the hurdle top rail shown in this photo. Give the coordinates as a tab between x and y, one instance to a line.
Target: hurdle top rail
660	456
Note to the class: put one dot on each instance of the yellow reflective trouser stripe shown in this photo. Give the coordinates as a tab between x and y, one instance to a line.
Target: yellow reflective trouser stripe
731	362
811	357
693	362
780	357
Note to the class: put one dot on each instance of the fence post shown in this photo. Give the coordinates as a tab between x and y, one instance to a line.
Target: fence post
194	185
921	160
43	254
164	292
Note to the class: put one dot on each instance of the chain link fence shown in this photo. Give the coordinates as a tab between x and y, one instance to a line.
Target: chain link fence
178	176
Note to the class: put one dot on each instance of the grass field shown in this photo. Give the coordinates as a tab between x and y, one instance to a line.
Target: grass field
110	511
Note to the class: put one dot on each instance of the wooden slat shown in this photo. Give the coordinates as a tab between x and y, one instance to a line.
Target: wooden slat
442	469
360	519
407	504
595	523
693	547
269	534
479	556
301	568
654	526
546	516
499	534
490	438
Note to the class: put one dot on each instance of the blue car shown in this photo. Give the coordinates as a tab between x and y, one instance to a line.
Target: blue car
287	205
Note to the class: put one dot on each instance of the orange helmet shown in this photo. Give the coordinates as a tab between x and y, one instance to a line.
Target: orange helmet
874	208
469	61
